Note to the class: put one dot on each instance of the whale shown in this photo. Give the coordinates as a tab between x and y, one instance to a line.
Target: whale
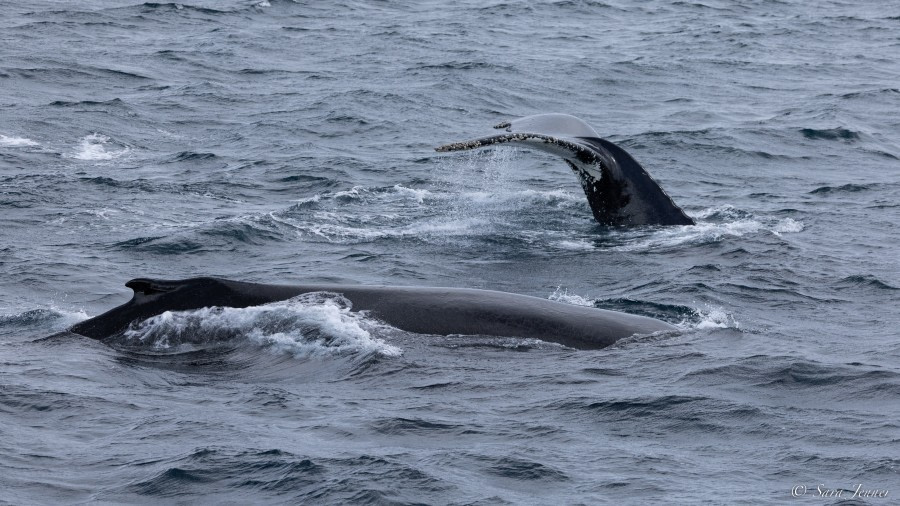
619	190
420	310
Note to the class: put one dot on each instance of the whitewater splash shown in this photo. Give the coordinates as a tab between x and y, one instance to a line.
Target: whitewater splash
710	317
312	324
16	142
562	295
94	147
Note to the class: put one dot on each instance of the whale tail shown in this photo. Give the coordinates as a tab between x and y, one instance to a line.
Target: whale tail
618	189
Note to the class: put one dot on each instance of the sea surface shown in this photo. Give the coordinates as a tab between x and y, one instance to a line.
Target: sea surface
292	142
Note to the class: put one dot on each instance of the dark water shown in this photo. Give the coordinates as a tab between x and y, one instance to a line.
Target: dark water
292	142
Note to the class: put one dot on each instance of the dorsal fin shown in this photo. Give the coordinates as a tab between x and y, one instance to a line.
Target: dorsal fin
146	286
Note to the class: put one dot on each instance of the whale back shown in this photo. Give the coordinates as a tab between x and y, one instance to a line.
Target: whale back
422	310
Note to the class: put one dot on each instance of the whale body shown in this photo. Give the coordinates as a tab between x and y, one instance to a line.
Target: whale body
618	189
422	310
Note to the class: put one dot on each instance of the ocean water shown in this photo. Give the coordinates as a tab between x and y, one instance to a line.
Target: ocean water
292	142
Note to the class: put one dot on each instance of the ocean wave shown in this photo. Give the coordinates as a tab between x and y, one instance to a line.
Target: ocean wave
116	102
34	401
871	93
830	134
281	476
457	65
864	281
253	229
313	324
38	317
40	322
521	469
416	426
846	188
636	408
272	471
866	381
177	7
667	412
192	156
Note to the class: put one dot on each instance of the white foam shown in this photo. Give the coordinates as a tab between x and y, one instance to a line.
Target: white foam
93	148
563	295
169	134
313	324
309	200
498	197
710	317
417	194
738	225
726	212
353	193
787	225
558	195
101	213
16	142
576	245
338	225
434	229
362	193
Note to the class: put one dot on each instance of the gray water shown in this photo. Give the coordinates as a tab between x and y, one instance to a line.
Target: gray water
292	142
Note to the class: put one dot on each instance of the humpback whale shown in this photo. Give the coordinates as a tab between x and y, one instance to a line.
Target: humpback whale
618	189
423	310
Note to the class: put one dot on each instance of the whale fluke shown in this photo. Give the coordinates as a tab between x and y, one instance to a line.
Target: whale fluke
618	189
